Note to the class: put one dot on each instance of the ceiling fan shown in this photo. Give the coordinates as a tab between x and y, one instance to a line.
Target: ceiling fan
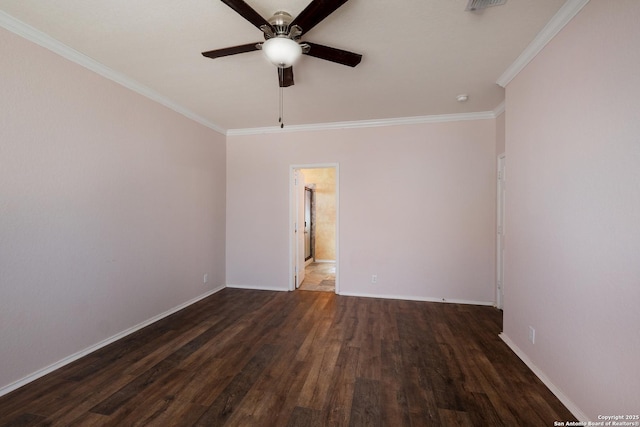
282	34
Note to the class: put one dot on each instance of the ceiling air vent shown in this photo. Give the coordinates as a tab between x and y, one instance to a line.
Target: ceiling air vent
483	4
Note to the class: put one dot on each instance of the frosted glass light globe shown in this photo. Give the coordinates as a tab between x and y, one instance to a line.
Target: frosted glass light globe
281	51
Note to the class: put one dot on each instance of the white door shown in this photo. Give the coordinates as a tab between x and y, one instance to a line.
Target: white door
500	226
299	227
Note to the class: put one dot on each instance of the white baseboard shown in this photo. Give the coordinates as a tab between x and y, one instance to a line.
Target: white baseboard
364	295
258	288
59	364
572	407
414	298
325	260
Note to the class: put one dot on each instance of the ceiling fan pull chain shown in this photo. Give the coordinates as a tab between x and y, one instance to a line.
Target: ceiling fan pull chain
280	97
281	107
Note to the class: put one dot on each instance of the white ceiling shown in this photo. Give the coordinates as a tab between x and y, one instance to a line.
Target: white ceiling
417	55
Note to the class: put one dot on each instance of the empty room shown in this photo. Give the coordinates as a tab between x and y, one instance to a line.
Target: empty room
470	238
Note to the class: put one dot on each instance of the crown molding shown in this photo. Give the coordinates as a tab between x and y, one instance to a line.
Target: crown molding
28	32
38	37
484	115
553	27
500	108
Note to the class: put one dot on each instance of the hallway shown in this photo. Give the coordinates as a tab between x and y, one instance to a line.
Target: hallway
319	276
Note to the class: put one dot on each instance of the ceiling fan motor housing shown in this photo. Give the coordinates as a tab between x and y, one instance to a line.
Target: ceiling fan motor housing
280	21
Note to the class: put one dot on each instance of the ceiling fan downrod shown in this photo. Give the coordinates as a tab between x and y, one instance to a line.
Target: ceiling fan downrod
280	21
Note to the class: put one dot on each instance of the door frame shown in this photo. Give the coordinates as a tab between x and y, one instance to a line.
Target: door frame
292	219
299	216
500	229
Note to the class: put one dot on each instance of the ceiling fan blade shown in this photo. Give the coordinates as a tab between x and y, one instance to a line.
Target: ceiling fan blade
231	50
315	12
334	55
285	76
247	13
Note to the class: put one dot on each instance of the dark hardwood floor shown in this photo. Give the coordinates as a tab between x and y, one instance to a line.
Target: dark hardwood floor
258	358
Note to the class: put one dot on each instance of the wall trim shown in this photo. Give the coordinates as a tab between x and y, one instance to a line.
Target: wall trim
72	358
321	261
380	296
441	118
38	37
414	298
257	288
500	108
572	407
548	32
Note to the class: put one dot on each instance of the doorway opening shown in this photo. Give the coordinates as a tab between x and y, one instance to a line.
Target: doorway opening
314	227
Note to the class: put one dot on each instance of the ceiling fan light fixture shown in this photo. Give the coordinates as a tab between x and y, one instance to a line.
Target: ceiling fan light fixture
281	51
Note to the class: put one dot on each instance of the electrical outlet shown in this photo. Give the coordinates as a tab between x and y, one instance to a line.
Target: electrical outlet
205	278
532	335
374	279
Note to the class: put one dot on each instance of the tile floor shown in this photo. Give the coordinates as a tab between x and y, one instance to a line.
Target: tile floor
319	276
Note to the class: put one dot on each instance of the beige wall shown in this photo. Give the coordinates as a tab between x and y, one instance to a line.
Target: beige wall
325	206
417	208
573	210
111	209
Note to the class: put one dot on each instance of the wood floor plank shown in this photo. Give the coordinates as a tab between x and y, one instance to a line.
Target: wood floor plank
304	417
33	400
154	402
243	357
229	399
132	389
205	384
268	398
369	365
88	419
365	409
484	412
394	406
388	324
83	396
455	418
337	408
314	391
25	419
290	390
158	411
164	349
215	348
